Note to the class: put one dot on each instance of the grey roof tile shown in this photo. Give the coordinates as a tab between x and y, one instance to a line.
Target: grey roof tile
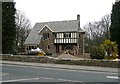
56	26
33	38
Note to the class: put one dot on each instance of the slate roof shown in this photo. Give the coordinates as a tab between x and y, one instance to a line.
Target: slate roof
33	38
56	26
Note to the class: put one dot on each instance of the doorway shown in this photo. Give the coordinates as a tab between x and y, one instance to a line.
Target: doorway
57	48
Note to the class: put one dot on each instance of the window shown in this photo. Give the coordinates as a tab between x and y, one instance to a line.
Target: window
61	35
74	35
79	46
55	35
58	35
48	47
32	47
48	35
67	35
55	41
27	48
45	36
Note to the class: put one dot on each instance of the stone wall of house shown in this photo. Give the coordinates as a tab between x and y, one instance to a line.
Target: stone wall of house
81	44
48	44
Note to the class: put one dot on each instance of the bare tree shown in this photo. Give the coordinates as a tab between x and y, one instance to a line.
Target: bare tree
98	28
105	22
23	29
98	31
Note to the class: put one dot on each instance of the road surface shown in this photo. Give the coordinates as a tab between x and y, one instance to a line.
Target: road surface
19	73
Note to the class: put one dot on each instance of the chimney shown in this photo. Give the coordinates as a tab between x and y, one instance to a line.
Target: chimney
78	18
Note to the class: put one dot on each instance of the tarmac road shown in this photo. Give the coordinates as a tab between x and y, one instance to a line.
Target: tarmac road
21	73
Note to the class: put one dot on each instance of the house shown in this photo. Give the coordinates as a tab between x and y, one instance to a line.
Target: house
57	37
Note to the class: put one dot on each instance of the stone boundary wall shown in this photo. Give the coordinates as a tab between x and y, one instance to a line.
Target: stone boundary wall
45	59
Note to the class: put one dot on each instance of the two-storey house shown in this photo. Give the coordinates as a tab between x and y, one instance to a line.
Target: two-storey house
57	37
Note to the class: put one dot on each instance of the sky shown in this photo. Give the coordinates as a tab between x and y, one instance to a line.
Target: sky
59	10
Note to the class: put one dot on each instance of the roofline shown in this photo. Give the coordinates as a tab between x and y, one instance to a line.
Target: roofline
55	21
68	31
47	27
81	31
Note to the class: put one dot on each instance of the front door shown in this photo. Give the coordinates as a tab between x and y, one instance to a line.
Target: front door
57	48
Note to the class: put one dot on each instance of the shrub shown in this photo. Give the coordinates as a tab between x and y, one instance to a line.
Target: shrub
97	53
110	48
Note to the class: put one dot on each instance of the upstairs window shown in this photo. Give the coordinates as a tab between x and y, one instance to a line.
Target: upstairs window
55	35
48	35
67	35
45	36
58	35
48	47
79	35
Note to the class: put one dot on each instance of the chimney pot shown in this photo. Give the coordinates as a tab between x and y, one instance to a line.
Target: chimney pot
78	18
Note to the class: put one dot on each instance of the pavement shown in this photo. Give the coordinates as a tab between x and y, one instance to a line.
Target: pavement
63	66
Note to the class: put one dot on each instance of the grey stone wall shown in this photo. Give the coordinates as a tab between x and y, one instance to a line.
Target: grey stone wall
47	42
81	44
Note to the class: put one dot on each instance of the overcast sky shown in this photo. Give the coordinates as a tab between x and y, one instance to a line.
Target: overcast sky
58	10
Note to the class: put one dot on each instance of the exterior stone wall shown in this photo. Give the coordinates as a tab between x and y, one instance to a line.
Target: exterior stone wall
45	59
81	44
47	42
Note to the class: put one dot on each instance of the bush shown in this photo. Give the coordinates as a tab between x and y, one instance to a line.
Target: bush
110	48
97	53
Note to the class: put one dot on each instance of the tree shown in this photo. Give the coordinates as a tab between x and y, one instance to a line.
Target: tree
105	23
8	27
97	31
115	25
23	29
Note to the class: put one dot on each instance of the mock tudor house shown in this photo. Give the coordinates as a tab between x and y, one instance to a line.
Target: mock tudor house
57	37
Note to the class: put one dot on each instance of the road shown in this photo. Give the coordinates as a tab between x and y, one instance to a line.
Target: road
19	73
